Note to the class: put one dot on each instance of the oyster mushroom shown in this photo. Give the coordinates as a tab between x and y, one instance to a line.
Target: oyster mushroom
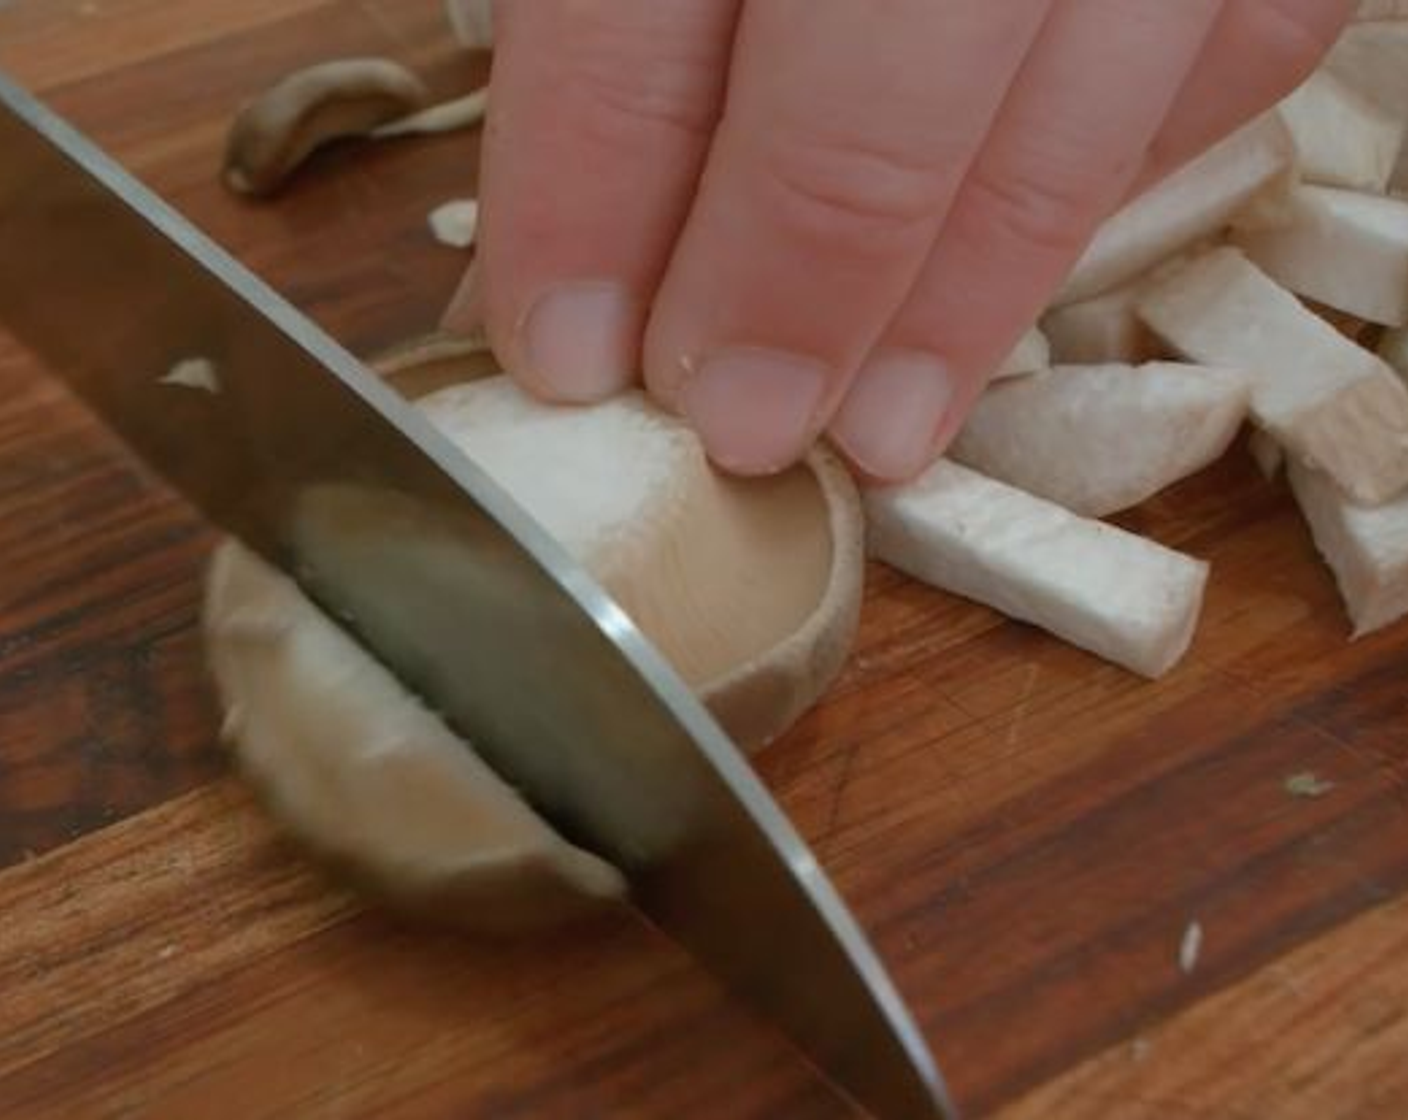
750	588
366	97
347	97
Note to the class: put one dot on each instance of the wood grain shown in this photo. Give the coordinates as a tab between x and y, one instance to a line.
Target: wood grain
1275	1044
1026	831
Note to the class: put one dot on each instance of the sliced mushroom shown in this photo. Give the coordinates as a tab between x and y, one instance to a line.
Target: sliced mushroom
447	116
371	779
1326	400
1367	548
1343	139
1194	203
454	223
1371	57
1032	353
1100	439
1342	248
1118	595
347	97
751	589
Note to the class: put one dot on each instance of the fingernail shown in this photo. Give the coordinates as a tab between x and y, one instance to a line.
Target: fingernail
755	409
465	314
580	342
890	419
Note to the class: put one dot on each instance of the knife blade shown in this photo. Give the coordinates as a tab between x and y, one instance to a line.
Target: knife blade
311	461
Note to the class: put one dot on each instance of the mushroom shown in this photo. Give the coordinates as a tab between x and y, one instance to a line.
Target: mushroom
1371	58
1326	400
1100	439
1342	248
1194	203
1342	138
750	588
1032	353
346	97
1366	547
1104	328
1116	594
368	97
454	223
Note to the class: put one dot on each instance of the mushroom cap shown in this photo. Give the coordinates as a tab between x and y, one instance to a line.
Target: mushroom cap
750	587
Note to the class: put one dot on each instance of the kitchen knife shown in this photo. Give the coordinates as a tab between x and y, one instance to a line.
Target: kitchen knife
314	463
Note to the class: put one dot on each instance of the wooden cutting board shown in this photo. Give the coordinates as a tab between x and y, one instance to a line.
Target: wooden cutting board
1029	833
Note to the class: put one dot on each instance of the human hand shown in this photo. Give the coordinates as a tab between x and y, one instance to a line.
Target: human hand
802	216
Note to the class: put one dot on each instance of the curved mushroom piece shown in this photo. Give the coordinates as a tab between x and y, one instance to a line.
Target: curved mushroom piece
276	131
1100	439
750	588
367	776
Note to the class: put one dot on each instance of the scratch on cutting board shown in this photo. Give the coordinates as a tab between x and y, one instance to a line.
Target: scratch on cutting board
1019	713
838	790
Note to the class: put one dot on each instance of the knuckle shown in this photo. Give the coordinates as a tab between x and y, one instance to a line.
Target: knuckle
840	190
1038	208
626	81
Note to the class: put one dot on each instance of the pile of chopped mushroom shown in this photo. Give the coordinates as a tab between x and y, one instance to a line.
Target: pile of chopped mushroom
1264	283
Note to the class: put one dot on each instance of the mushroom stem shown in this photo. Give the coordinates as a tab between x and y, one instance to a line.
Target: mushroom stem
447	116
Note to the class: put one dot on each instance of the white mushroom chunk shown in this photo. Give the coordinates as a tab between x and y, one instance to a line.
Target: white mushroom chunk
1327	401
1193	203
1343	139
193	373
1104	328
1099	439
372	779
1118	595
276	131
1345	249
472	22
1366	547
454	223
750	588
1032	353
1371	58
446	116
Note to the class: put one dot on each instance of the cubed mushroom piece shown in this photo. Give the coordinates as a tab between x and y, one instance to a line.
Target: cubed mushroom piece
1193	203
1327	401
1366	547
1371	58
1343	139
1032	353
1116	594
1345	249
